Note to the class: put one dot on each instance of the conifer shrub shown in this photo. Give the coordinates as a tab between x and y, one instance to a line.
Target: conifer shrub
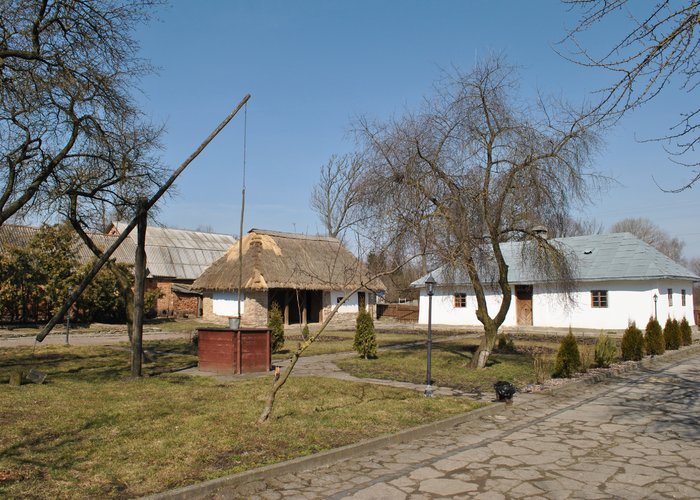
505	344
654	338
686	332
568	357
672	334
365	337
605	351
275	323
305	332
632	346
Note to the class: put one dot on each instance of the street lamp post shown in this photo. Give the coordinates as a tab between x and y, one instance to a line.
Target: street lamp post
430	284
656	299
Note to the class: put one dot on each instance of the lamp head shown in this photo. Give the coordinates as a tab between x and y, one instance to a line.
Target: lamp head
430	284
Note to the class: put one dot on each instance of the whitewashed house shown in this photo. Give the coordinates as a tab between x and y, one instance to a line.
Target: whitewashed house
619	279
306	276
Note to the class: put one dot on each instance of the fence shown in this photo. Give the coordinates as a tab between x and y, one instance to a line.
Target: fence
400	312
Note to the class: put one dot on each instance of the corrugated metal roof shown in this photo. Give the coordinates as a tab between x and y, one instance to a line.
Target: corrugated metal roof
180	253
618	256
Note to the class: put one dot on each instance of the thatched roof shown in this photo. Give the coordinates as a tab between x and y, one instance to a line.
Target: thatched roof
274	259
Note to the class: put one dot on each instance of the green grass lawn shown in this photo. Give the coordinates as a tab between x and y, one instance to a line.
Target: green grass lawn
91	432
449	366
341	341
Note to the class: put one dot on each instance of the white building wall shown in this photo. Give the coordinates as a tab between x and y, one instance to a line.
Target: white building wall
226	303
627	301
350	305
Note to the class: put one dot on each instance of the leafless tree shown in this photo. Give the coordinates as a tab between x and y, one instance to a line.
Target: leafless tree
647	231
68	122
569	226
338	193
659	51
480	168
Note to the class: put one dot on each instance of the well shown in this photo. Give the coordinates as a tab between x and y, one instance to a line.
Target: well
244	350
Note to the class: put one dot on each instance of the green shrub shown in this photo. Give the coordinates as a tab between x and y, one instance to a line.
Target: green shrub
365	338
505	343
686	332
672	334
568	357
275	323
632	346
654	338
605	351
305	332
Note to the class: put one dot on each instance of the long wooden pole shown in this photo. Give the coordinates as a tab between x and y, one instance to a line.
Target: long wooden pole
108	253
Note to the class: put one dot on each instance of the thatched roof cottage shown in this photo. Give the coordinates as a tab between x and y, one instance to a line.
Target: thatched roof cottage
305	275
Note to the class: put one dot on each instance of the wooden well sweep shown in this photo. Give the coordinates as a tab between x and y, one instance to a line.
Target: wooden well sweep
244	350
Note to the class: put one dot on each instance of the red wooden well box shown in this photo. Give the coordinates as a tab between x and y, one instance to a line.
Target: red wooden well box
234	351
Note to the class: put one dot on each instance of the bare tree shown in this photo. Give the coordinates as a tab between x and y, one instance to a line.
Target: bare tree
568	226
482	168
338	193
68	122
647	231
659	51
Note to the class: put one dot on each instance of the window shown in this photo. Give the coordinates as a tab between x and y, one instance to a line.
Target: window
337	301
683	298
460	299
670	297
599	298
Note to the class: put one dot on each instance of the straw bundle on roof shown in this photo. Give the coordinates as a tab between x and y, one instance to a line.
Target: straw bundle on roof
286	260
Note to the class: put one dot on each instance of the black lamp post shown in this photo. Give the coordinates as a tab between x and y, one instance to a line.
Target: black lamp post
430	284
656	299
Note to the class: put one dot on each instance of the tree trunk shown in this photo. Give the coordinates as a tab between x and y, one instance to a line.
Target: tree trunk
481	356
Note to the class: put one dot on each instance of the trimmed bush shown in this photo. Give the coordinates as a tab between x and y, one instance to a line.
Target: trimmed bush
632	346
365	338
305	334
654	338
672	334
686	332
568	357
275	322
605	351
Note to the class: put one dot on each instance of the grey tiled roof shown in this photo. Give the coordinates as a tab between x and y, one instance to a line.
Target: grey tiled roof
617	256
180	253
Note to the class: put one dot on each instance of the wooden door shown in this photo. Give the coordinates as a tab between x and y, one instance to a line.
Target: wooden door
361	301
523	305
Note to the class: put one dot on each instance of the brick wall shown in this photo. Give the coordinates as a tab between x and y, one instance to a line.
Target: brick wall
255	309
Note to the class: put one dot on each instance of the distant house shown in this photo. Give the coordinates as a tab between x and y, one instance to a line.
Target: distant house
305	275
175	258
17	236
619	279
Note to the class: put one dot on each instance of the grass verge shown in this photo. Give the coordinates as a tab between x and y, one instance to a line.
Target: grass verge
91	432
449	366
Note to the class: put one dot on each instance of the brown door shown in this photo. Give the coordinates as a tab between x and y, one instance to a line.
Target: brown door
361	301
523	305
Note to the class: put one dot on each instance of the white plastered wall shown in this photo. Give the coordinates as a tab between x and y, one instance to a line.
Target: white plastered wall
627	301
226	303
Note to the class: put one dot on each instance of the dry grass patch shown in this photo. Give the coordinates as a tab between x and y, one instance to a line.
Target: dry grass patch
91	432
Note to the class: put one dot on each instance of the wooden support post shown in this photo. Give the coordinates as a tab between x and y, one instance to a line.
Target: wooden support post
139	283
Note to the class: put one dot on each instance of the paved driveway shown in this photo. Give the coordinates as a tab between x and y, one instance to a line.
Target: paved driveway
636	436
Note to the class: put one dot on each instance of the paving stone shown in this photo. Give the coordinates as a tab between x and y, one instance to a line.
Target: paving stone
446	487
379	491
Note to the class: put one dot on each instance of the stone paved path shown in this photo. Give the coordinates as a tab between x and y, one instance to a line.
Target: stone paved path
635	436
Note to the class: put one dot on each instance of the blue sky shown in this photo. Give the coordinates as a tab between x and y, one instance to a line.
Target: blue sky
314	66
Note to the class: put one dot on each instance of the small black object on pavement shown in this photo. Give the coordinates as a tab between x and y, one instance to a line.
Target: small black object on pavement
504	390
